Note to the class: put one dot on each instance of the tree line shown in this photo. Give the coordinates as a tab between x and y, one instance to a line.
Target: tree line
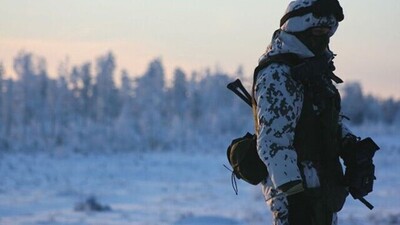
82	109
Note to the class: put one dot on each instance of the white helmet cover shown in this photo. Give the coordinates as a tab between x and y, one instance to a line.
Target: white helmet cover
304	22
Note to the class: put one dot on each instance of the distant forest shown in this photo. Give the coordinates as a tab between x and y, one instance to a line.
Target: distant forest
83	110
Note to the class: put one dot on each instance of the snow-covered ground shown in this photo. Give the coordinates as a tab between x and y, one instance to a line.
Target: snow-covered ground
171	188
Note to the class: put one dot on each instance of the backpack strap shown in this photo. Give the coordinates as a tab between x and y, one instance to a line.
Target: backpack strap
289	59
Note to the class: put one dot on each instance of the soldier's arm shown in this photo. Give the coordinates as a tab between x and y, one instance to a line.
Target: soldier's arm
279	102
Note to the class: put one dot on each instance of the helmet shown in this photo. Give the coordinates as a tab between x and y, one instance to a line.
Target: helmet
304	14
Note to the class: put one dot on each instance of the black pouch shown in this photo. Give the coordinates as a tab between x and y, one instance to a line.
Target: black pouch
243	157
334	186
361	179
336	196
333	190
329	198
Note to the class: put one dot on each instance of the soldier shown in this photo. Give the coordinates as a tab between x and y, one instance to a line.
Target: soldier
298	126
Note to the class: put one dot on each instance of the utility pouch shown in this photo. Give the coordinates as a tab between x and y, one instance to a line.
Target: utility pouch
243	157
360	170
360	179
327	197
336	196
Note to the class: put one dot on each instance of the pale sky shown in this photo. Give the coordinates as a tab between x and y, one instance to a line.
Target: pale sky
195	34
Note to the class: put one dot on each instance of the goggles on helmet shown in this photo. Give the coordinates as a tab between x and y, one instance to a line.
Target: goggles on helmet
321	8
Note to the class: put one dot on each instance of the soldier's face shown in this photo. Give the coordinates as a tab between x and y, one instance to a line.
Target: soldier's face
318	31
318	40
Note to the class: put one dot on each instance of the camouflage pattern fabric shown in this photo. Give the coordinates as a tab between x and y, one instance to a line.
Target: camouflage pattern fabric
279	100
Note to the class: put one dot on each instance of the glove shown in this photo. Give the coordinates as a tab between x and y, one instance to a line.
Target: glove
348	146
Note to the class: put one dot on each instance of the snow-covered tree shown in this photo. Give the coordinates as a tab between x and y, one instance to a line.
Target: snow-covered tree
179	93
195	100
105	92
353	103
126	86
1	97
149	102
396	120
127	137
390	109
81	90
373	110
8	108
86	91
61	107
31	93
177	110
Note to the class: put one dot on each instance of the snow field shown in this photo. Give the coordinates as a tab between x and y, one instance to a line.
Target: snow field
157	188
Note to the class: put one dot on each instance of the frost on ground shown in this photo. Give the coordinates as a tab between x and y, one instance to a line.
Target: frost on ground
171	188
153	188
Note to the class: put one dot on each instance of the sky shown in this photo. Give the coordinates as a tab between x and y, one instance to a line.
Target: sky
194	35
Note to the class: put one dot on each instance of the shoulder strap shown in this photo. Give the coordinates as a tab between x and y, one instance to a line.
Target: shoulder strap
290	59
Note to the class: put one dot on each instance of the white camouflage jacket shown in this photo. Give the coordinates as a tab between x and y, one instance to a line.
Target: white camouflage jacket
279	101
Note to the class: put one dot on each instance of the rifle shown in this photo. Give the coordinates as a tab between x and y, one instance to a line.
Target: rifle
238	88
